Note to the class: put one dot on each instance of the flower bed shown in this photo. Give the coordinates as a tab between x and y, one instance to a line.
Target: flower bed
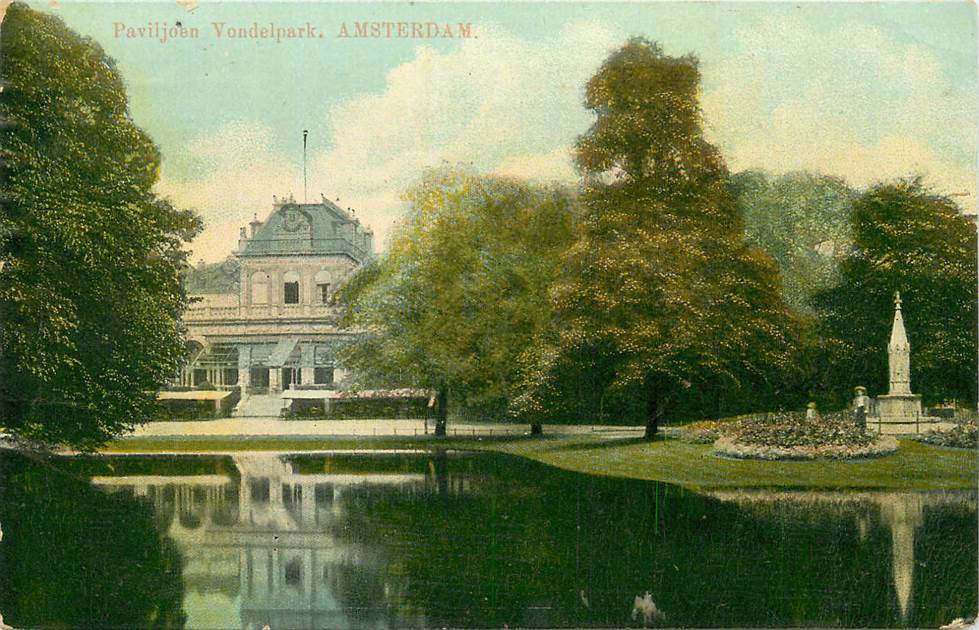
791	436
726	446
960	436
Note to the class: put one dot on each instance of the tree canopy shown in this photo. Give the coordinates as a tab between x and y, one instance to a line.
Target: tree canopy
905	238
802	221
661	297
462	290
90	297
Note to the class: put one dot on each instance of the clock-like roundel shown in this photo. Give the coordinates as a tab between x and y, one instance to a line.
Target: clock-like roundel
294	221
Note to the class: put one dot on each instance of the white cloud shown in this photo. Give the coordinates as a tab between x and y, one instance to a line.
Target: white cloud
238	177
848	101
496	103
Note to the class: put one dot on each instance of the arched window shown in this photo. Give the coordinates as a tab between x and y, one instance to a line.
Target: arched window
260	288
324	287
290	288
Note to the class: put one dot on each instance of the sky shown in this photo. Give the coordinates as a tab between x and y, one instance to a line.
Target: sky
867	92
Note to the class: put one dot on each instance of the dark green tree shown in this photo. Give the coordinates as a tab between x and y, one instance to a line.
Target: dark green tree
462	292
905	238
662	299
90	297
802	221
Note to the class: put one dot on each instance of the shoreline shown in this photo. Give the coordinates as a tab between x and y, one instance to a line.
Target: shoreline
914	466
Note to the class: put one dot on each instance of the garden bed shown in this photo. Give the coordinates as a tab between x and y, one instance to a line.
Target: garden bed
726	446
790	436
960	436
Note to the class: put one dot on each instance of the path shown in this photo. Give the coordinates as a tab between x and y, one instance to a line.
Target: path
274	427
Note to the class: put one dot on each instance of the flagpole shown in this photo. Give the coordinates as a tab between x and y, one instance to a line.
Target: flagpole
305	133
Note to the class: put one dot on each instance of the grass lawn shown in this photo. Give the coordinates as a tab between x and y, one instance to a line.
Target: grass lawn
914	466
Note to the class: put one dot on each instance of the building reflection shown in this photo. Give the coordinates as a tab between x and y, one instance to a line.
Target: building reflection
266	548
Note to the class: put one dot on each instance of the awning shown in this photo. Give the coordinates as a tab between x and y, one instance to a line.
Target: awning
196	394
364	394
280	354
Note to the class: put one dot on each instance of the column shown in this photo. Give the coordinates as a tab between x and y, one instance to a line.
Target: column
275	379
306	364
244	378
244	368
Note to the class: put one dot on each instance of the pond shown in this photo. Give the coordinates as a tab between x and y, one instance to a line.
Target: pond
423	540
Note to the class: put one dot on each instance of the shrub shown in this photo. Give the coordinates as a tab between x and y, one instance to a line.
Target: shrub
960	436
789	435
728	447
791	429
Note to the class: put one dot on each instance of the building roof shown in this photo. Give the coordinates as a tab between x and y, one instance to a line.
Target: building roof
309	229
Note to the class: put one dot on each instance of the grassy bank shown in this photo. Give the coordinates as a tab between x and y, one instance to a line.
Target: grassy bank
914	466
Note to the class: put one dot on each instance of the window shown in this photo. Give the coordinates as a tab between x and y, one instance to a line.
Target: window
290	287
323	290
294	572
260	291
323	375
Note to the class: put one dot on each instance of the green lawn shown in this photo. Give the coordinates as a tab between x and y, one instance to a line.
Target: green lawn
914	466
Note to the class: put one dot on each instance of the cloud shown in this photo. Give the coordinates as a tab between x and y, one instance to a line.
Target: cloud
848	101
496	104
235	177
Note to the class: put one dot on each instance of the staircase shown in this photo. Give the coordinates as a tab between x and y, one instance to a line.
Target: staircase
258	405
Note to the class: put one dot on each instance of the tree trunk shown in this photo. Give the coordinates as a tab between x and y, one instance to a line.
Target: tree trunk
442	412
536	428
652	411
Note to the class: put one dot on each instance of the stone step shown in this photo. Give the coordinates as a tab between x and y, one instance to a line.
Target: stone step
258	405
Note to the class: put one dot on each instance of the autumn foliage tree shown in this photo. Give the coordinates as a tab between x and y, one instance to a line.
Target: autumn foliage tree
90	297
661	298
462	291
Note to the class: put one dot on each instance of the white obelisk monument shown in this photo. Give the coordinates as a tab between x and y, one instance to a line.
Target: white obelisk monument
900	410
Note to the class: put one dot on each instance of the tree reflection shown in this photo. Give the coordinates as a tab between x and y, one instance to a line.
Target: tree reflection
493	541
73	556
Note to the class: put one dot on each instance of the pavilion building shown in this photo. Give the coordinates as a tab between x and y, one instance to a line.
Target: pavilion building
272	325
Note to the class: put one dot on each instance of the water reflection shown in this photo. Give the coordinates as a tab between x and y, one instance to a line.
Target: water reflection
259	546
902	513
354	541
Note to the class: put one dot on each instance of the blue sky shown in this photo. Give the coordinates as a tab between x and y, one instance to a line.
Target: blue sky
862	91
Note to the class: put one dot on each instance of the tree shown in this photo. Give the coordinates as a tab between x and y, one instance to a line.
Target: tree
90	297
462	292
662	296
905	238
802	221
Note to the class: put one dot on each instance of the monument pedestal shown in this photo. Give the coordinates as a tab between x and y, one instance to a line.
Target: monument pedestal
898	414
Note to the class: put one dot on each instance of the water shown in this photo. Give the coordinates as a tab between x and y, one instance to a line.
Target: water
461	541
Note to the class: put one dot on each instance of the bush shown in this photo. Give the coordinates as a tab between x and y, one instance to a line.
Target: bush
791	429
960	436
789	435
728	447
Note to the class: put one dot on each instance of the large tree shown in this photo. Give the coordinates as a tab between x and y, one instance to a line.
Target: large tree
462	291
662	298
90	297
801	220
905	238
